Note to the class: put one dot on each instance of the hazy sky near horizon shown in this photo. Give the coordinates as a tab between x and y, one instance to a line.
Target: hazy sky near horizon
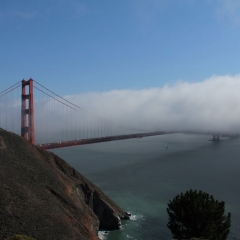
97	48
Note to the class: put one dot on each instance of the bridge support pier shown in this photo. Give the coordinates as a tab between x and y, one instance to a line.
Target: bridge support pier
216	138
27	123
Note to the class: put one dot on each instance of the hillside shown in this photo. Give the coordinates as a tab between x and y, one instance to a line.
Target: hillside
45	198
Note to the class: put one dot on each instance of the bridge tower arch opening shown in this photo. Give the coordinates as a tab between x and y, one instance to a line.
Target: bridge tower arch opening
27	111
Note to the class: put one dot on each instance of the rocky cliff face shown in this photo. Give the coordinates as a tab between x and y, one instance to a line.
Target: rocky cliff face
44	197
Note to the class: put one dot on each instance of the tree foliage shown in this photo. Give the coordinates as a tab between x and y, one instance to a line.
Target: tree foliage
195	214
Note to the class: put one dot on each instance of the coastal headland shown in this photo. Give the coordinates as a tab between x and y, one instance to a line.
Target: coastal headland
43	197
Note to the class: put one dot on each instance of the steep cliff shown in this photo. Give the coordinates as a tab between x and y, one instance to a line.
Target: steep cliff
45	198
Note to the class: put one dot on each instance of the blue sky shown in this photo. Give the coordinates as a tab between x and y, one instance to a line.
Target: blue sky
87	46
155	64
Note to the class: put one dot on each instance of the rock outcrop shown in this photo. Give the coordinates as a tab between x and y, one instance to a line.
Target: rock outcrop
43	197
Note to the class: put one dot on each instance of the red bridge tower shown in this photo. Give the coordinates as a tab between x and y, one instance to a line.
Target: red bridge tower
27	123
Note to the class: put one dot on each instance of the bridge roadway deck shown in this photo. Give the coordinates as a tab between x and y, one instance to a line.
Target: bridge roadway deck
97	140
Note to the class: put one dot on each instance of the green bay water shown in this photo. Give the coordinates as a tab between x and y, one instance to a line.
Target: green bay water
142	175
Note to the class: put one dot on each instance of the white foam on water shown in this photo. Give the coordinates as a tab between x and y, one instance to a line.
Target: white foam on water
129	237
102	235
135	217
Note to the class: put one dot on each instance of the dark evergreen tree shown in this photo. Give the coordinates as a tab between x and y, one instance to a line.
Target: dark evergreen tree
195	214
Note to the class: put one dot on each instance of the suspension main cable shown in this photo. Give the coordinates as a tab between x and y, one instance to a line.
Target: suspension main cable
2	93
54	98
74	104
109	121
11	87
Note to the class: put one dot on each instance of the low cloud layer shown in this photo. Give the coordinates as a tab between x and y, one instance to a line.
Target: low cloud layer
208	106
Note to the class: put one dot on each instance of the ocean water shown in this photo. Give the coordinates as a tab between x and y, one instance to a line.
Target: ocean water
142	175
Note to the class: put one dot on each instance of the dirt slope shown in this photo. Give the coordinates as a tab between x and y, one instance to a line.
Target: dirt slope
45	198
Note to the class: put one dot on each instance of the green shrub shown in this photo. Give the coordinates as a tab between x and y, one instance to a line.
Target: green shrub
198	215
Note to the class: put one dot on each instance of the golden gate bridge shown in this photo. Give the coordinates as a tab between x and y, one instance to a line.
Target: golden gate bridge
48	120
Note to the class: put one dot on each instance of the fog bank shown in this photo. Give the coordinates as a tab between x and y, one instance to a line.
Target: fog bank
210	105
